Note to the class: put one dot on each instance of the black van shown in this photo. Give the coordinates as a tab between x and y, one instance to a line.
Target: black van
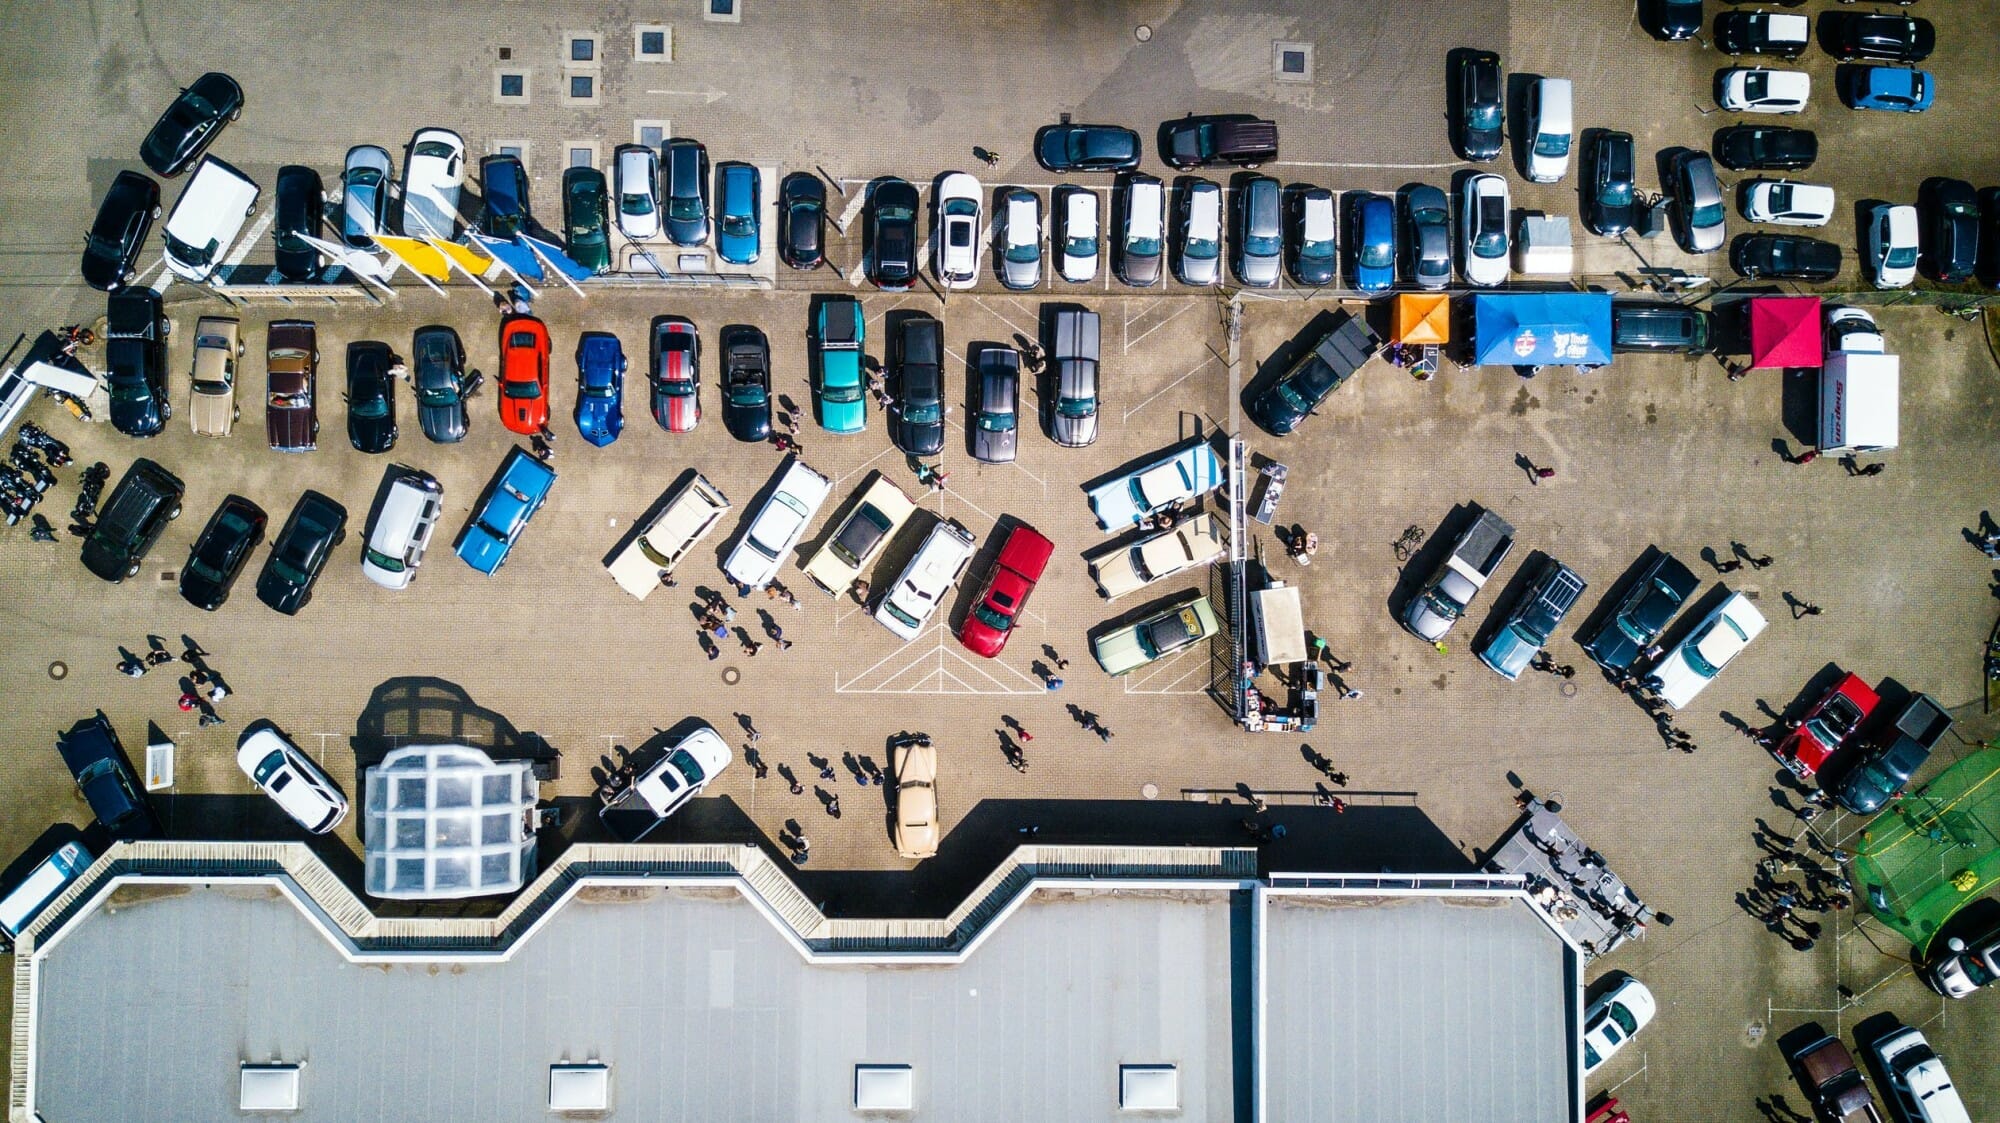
1660	327
140	507
1242	139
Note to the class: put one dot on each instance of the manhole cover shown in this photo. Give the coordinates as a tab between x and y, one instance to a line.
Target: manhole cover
1143	33
1150	790
1568	689
731	676
58	670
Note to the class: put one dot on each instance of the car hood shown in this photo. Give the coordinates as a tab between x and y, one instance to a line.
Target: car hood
1510	653
994	446
1425	621
746	422
290	429
1120	651
843	417
372	434
444	424
599	420
137	417
212	414
280	593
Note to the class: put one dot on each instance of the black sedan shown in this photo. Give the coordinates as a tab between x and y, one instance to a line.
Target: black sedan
1785	257
1608	160
1762	33
891	234
1086	148
232	534
1951	229
301	212
1671	20
440	383
192	123
1889	36
802	220
124	219
916	356
746	383
135	348
1642	614
317	526
1766	148
371	396
1476	108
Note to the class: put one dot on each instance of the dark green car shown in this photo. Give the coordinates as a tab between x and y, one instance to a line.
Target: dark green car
585	238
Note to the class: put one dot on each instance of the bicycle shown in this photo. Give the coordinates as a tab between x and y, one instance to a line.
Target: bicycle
1964	311
1407	545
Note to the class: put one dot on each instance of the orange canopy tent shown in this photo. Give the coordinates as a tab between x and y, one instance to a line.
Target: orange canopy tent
1421	318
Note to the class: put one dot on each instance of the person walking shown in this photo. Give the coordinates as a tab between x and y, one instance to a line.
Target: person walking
1806	457
833	805
1053	684
1763	561
1730	566
1806	608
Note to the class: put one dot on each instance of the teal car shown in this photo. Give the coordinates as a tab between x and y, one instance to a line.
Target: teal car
1177	626
838	372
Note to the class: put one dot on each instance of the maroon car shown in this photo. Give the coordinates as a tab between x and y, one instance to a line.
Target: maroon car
291	412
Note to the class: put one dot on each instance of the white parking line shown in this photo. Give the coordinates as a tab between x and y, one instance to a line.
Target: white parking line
1338	164
1136	407
242	248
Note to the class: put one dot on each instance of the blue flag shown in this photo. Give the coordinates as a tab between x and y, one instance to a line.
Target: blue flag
518	258
554	255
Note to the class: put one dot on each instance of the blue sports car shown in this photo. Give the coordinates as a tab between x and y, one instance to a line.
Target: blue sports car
600	387
736	218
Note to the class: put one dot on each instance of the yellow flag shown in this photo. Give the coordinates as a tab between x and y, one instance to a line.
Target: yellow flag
468	259
419	256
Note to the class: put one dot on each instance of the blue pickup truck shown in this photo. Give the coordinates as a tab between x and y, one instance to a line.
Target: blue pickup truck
97	760
516	494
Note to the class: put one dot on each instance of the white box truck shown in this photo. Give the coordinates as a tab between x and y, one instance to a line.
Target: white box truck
1858	395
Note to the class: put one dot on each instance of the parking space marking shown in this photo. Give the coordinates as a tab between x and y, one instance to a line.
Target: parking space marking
1343	164
1184	307
942	669
996	314
1138	685
249	239
1196	369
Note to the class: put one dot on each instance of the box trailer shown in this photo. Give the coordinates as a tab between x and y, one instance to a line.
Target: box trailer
1858	396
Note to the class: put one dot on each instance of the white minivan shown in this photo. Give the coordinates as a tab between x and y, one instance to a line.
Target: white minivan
48	879
925	581
402	530
207	218
1550	126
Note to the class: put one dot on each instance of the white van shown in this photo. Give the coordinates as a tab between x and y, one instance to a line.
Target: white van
1550	125
925	581
402	530
49	878
685	520
207	218
1858	402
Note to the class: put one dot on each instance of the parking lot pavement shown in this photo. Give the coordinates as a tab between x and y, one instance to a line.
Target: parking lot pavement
1646	453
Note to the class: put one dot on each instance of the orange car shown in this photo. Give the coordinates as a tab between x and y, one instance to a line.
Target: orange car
524	374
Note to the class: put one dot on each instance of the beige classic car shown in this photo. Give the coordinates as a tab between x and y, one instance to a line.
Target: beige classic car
915	764
1191	544
218	343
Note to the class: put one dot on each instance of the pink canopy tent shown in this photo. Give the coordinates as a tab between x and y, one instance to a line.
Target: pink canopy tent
1784	331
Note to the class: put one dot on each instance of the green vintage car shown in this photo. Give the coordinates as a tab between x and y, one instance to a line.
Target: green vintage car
1181	624
585	238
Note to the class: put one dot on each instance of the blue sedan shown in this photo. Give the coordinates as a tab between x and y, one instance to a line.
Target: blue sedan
1894	89
1375	245
736	218
600	387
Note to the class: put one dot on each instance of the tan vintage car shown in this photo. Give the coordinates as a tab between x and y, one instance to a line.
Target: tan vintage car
1196	542
915	764
218	343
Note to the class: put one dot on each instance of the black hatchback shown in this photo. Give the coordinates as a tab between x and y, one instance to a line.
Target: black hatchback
371	396
300	552
891	234
124	219
192	123
1766	148
802	220
301	214
1476	109
1785	257
1607	182
232	534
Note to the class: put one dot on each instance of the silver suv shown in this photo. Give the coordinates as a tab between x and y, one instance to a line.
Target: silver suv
1260	232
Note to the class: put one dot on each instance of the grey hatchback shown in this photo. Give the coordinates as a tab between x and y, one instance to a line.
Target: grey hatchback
1260	232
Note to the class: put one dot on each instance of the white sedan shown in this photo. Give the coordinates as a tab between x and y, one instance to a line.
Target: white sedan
1758	89
1196	542
1482	216
433	172
1079	234
638	189
289	776
776	528
1613	1019
1892	245
956	232
1694	662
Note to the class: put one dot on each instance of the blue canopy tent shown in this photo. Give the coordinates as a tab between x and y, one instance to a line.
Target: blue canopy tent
1541	328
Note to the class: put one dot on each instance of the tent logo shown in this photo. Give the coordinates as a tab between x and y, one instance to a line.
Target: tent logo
1524	343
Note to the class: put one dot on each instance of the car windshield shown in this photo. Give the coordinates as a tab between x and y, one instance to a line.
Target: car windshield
907	620
592	390
527	388
437	395
842	393
1484	116
1143	247
191	255
635	203
995	422
1616	193
382	561
372	406
746	394
1624	1018
1076	246
1552	144
1900	257
1077	407
1025	253
1755	86
986	615
1262	245
1704	217
1203	249
685	208
1379	255
433	148
684	763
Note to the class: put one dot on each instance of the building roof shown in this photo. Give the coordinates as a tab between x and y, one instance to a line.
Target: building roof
708	998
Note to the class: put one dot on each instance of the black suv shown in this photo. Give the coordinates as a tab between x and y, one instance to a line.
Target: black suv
140	507
300	551
891	234
1788	257
1242	139
1766	148
1889	36
1951	229
104	776
135	348
231	536
917	357
301	213
1476	107
192	123
124	219
1642	614
1640	326
1608	189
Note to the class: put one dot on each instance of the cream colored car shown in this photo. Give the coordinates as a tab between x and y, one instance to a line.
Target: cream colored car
915	763
686	519
218	343
1197	542
860	535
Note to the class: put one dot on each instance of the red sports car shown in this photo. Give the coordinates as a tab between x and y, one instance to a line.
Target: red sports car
1805	750
1022	559
524	374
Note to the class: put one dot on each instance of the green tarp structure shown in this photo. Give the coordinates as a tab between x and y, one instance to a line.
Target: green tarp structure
1935	850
